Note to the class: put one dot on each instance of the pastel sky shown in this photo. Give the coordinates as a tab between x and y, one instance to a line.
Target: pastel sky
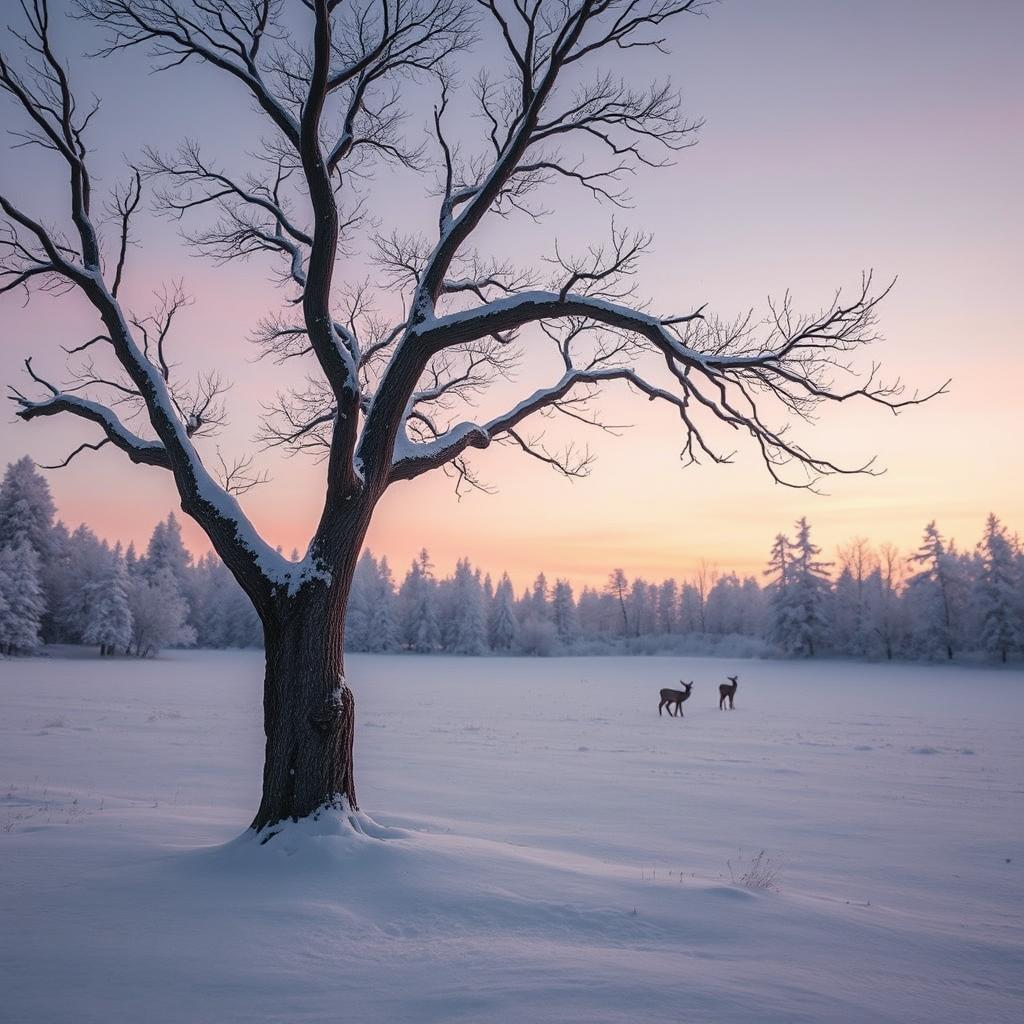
838	137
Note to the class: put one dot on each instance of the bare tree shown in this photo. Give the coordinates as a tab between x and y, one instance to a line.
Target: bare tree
386	397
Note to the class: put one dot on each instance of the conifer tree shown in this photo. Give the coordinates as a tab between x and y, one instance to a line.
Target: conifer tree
382	629
668	607
799	588
417	623
808	592
26	507
365	587
931	591
109	616
22	597
690	609
504	626
618	587
166	550
469	629
563	610
999	593
159	613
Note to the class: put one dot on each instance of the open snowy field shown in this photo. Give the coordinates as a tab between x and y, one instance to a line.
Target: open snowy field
548	850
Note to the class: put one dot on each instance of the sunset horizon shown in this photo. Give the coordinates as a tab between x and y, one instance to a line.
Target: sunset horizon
722	237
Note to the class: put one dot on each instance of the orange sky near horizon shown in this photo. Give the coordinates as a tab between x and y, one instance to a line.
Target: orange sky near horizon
807	172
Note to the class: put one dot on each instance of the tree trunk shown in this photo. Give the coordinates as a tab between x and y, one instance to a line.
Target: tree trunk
308	712
308	708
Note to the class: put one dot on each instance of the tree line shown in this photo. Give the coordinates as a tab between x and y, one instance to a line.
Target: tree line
61	586
938	602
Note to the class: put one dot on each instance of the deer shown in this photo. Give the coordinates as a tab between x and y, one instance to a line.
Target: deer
727	692
675	697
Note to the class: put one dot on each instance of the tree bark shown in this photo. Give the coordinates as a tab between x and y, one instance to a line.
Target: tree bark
308	707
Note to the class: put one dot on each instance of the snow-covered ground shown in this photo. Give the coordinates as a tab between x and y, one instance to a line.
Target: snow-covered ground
549	849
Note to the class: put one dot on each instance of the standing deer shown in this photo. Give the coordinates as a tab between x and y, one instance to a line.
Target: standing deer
727	692
675	697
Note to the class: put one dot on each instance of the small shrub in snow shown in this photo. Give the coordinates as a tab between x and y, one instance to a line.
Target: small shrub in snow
761	873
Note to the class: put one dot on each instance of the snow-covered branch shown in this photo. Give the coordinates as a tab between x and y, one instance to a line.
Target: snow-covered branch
138	449
45	98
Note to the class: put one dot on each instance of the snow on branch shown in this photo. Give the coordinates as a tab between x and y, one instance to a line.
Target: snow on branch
33	253
738	374
138	449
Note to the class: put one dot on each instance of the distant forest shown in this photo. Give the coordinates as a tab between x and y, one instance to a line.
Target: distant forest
937	602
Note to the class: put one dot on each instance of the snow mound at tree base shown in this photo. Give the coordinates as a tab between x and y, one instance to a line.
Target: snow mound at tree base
335	819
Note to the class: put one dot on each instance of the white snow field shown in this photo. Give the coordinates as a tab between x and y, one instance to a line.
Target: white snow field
545	848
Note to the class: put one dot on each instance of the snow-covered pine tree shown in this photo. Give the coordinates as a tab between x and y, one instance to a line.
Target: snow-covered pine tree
109	616
668	607
808	593
503	626
26	508
930	595
371	624
5	585
417	622
724	613
752	607
798	592
845	611
359	624
779	574
27	512
85	562
999	592
211	617
57	582
23	600
488	593
563	610
588	612
159	613
539	605
642	606
690	609
383	634
469	628
224	617
166	550
618	587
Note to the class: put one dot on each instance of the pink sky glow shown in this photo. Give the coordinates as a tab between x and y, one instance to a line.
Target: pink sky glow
839	137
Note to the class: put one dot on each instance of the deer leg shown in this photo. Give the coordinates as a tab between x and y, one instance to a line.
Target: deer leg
660	706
